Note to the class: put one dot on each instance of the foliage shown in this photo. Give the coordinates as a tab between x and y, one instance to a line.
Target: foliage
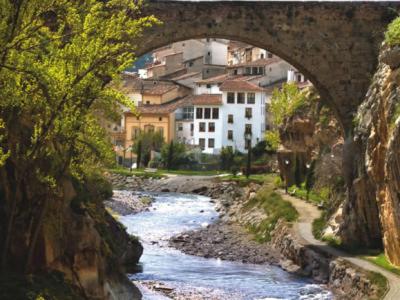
285	102
392	35
275	208
318	226
259	149
49	286
226	158
174	156
315	196
273	140
380	282
57	60
145	143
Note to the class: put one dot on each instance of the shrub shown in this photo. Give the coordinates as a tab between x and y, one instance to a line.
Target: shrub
275	208
392	35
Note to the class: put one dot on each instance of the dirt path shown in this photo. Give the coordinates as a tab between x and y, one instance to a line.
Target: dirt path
307	213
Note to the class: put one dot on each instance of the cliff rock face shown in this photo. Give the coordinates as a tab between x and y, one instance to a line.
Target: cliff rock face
307	135
91	248
378	133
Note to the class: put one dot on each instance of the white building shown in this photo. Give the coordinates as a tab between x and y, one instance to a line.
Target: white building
221	119
243	113
208	125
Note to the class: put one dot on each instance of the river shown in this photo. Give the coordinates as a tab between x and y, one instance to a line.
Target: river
171	214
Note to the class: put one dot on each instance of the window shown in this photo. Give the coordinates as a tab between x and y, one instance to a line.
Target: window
180	127
160	119
191	64
202	143
251	98
191	129
209	53
248	113
230	135
148	128
235	72
240	98
210	143
202	127
188	113
248	70
207	113
230	119
209	86
231	98
199	113
215	113
262	55
260	70
135	132
298	78
255	71
211	127
247	129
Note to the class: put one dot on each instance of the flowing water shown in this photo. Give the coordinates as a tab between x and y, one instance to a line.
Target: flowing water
171	214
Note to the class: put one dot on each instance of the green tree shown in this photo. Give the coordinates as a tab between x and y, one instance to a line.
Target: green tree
57	59
173	155
285	102
148	141
226	158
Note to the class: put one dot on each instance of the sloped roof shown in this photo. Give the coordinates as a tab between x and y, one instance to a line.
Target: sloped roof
215	79
164	108
207	99
240	85
159	89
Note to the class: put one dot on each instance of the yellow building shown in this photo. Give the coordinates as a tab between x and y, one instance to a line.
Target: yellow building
156	102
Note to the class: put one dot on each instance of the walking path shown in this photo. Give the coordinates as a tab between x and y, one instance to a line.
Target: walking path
309	212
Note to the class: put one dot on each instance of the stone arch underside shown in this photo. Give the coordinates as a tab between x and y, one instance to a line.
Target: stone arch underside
335	45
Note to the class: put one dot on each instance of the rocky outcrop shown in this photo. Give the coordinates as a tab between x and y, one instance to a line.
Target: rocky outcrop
378	137
82	241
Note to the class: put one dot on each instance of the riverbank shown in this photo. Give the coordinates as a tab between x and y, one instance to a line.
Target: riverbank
229	238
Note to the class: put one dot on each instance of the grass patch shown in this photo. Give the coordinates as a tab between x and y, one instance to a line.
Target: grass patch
381	261
192	172
318	226
160	173
256	178
137	172
274	207
313	196
380	282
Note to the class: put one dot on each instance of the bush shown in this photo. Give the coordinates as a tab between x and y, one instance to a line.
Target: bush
392	35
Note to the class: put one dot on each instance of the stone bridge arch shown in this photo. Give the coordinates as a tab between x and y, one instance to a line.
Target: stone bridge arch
335	45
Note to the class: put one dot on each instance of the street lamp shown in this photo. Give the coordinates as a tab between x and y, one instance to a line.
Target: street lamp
247	137
287	163
131	148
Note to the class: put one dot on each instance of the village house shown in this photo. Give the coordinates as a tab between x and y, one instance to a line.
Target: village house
207	56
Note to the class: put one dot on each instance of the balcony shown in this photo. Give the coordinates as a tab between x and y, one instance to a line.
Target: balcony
183	117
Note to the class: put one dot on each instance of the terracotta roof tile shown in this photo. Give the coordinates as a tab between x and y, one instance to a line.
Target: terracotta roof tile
240	85
215	79
207	99
164	108
158	89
